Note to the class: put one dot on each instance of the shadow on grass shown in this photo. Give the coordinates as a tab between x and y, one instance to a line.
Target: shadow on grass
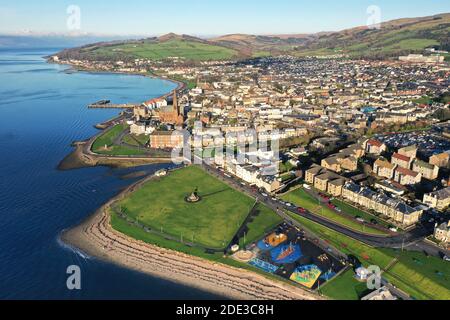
215	193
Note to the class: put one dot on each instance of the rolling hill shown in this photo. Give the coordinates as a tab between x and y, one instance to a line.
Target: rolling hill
393	38
402	36
167	46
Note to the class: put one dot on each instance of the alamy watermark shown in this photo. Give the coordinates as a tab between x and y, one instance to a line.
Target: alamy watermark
374	279
74	280
237	147
374	18
74	18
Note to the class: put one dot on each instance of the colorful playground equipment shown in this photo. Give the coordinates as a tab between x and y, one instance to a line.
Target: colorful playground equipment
306	275
271	241
287	253
263	265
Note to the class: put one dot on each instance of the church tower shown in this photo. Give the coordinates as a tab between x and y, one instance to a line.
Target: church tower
176	107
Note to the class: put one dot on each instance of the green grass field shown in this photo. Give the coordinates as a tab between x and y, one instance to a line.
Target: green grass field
211	223
421	277
107	139
301	198
122	226
266	220
345	287
190	50
136	140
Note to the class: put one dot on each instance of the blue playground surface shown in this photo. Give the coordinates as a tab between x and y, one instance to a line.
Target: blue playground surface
263	246
281	255
263	265
327	276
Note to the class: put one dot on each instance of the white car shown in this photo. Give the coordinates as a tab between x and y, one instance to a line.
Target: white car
307	186
446	258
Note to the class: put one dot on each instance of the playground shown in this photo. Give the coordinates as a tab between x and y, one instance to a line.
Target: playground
288	253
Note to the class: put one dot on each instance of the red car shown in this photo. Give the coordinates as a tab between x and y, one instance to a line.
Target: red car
301	210
331	206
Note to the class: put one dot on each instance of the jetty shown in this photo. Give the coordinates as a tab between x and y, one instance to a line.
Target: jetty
106	104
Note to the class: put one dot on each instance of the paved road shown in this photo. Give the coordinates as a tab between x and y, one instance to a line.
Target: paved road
413	240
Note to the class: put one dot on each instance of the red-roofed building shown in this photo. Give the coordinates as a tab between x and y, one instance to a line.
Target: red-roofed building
373	146
401	160
155	103
407	177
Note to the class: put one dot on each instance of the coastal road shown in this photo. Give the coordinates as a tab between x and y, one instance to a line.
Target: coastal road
412	240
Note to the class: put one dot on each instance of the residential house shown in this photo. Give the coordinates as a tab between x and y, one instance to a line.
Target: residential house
384	169
313	172
428	171
407	177
248	173
442	232
376	147
396	210
410	151
441	160
268	183
438	199
401	160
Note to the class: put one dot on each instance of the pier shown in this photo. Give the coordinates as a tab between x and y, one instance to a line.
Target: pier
112	106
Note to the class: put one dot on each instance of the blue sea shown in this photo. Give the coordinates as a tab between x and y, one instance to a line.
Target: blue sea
42	111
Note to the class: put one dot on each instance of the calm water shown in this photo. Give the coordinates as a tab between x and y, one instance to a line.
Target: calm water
42	110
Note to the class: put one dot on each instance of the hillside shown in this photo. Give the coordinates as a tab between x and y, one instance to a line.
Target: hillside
395	37
167	46
252	45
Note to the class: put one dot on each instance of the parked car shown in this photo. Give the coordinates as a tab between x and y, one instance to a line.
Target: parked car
301	210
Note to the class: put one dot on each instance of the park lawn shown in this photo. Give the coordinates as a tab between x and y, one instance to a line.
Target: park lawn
428	276
345	287
301	198
355	212
190	50
419	281
135	140
122	151
134	232
212	222
107	138
264	222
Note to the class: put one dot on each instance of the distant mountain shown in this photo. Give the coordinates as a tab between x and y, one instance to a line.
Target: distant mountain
51	41
395	37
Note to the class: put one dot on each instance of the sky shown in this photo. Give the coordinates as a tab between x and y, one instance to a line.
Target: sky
202	17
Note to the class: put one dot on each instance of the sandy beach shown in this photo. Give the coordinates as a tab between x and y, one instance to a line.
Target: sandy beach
97	238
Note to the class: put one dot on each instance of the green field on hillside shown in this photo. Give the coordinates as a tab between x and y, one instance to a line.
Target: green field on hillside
190	50
212	222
